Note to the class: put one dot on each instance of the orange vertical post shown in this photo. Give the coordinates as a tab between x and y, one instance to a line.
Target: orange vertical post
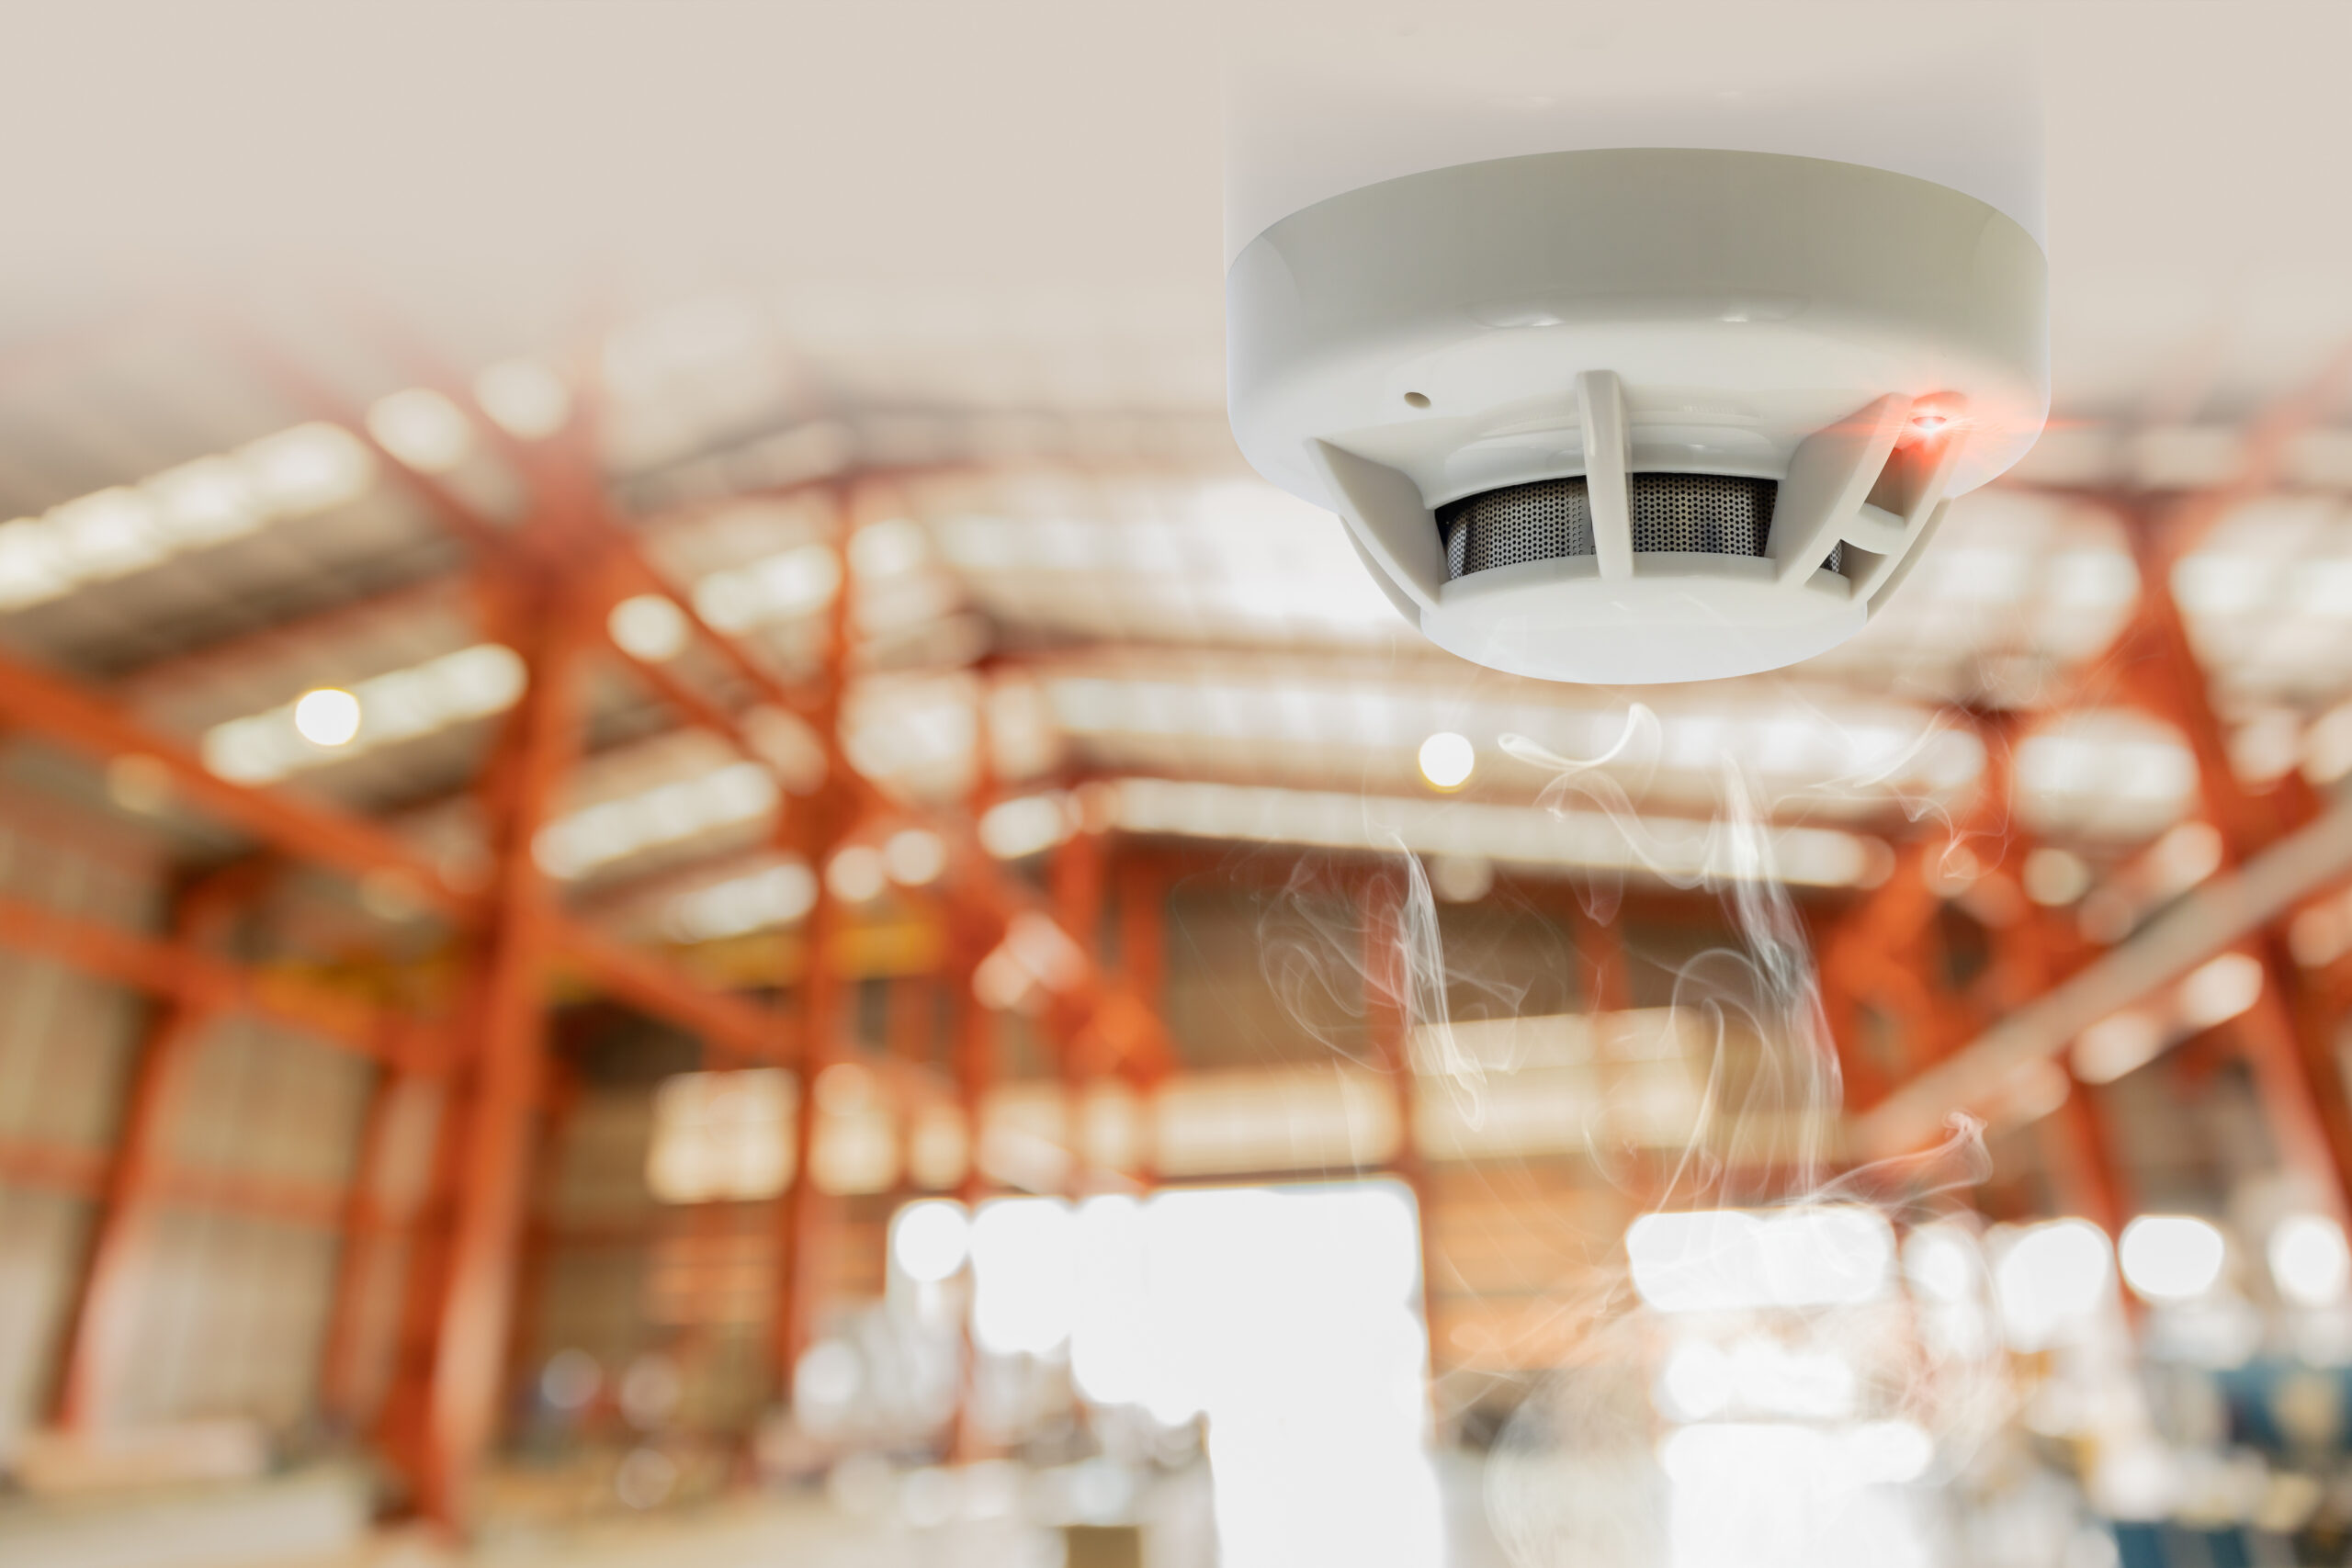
101	1319
800	1246
465	1379
363	1237
823	817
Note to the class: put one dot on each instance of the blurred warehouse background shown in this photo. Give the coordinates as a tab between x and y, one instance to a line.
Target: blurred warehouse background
688	872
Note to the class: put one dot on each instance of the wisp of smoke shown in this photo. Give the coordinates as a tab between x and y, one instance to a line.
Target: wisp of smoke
1654	1433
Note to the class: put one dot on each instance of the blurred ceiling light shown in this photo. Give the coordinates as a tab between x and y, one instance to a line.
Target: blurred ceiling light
1730	1260
423	428
1215	561
2106	773
649	626
1508	835
930	1240
1896	749
328	716
528	400
2116	1045
2171	1258
855	874
760	901
1028	824
2309	1261
914	857
798	581
116	532
111	533
2052	1281
1446	759
2209	583
207	501
922	733
722	1135
572	847
307	469
2055	877
471	683
2220	989
888	549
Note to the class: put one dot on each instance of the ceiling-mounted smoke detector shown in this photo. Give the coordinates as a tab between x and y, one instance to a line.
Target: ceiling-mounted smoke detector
1639	414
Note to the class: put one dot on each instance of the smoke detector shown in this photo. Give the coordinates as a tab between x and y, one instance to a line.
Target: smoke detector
1627	414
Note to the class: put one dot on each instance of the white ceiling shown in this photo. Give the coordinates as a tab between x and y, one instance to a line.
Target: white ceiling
904	171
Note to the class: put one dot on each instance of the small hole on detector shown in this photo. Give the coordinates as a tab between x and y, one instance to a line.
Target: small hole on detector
1416	400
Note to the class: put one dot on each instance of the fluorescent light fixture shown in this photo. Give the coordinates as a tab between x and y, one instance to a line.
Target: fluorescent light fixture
721	1135
855	874
914	857
116	532
889	548
307	469
471	683
1028	824
1881	747
2055	877
1511	835
649	626
572	847
760	901
524	396
2105	775
792	583
423	428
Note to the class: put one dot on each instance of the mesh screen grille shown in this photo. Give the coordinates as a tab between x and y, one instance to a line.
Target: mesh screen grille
1703	513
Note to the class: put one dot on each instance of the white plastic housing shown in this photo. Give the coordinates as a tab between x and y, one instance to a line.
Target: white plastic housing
1874	343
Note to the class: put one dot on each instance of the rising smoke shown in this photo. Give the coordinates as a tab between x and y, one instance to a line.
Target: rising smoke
1780	1368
